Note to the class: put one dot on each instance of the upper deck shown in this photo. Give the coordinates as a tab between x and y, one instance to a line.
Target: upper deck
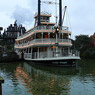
43	34
39	29
45	26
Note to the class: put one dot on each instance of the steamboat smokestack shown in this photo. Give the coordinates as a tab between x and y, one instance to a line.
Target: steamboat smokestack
60	13
39	8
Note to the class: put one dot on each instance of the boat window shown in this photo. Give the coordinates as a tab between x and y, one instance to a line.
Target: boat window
38	35
47	27
60	35
65	36
52	35
45	35
41	18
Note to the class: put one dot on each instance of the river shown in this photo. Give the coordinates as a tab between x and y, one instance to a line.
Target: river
22	78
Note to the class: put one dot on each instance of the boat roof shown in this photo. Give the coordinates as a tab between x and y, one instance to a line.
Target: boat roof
47	23
45	14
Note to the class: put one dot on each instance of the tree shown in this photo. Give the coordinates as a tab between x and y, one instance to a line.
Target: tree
83	44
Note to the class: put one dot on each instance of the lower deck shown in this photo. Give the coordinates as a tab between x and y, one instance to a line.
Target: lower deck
50	55
53	60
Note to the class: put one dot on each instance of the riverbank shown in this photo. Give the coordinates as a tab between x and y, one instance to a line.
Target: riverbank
9	57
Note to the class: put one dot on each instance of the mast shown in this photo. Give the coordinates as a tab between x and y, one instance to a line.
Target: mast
39	8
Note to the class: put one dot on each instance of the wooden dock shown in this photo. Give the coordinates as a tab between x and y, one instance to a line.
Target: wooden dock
1	81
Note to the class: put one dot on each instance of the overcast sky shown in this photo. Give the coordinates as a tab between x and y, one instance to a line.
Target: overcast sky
81	14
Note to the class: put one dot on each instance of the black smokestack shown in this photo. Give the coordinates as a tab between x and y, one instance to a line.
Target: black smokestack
39	7
60	13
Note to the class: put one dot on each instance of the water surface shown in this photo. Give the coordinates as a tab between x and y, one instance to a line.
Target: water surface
23	78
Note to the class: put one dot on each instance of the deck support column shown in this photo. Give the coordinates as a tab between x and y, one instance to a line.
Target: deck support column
28	50
62	37
31	52
68	37
25	50
49	36
42	36
34	37
48	52
38	53
59	35
68	50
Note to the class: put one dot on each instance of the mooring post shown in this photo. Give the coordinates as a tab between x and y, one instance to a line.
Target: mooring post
1	81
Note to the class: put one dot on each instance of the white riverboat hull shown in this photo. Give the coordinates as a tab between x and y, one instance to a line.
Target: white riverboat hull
56	61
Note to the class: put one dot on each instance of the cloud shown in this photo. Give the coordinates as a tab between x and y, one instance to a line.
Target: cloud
81	13
22	15
82	16
5	20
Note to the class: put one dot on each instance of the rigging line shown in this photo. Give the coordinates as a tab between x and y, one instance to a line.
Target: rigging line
69	20
69	23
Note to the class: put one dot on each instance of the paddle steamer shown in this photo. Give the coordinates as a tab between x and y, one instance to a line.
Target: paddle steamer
47	43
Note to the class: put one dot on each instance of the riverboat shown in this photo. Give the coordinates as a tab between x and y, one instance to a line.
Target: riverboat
47	43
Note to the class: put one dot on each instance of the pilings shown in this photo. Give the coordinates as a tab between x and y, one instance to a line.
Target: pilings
1	81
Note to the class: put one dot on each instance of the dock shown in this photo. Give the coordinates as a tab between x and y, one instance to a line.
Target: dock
1	81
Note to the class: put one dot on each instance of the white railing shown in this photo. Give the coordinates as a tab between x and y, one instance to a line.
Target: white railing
43	27
27	33
51	54
42	13
41	41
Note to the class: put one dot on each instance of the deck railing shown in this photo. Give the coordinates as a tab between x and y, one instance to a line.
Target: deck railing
42	28
41	41
51	54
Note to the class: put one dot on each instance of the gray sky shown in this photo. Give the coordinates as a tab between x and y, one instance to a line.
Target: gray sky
81	14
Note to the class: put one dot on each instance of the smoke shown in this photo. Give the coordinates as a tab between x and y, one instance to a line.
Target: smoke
23	15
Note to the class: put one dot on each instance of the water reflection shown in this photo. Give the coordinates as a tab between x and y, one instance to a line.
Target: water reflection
42	80
28	79
87	71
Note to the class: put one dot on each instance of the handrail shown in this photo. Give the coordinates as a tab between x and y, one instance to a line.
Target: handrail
50	40
51	54
41	28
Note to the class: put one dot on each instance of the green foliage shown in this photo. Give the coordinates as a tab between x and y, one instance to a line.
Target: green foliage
83	44
8	46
